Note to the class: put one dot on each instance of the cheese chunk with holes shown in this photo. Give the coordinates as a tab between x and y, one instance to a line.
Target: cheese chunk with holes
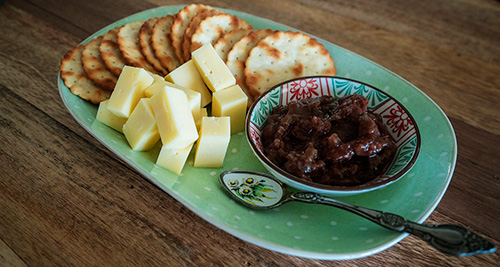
194	98
211	147
174	118
129	90
173	159
231	102
109	118
187	76
212	69
140	129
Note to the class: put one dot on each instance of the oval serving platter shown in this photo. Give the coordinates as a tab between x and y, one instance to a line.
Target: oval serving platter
299	229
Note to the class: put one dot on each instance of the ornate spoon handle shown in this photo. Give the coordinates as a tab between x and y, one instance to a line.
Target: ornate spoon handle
451	239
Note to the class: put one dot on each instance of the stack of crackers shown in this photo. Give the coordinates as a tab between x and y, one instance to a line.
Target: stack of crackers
258	59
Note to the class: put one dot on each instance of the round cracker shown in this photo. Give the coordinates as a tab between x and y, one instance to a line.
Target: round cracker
162	44
145	34
212	28
87	90
224	44
128	41
71	66
94	66
180	24
188	33
283	56
110	52
239	53
75	78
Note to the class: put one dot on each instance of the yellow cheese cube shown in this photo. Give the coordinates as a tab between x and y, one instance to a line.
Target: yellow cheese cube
174	118
173	159
231	102
194	98
129	90
107	117
153	88
187	76
157	77
213	70
157	82
140	129
212	145
203	113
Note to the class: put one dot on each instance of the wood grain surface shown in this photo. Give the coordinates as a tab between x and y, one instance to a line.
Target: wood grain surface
67	200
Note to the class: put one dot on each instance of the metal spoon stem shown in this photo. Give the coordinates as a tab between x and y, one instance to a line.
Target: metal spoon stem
451	239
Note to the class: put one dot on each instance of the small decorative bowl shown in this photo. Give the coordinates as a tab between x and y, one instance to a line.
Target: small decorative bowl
401	125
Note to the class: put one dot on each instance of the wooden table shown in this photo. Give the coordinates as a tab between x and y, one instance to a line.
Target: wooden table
63	195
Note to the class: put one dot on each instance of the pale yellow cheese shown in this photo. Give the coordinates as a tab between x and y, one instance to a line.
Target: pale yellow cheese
129	90
203	113
110	119
140	129
212	145
213	70
154	87
157	77
157	82
187	76
194	98
174	118
173	159
231	102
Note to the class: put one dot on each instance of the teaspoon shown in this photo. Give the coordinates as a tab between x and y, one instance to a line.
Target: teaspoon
261	191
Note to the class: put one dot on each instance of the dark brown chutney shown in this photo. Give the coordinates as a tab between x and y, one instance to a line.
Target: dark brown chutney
327	140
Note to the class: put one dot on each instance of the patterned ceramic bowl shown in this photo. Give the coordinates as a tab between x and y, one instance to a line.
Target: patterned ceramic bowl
399	122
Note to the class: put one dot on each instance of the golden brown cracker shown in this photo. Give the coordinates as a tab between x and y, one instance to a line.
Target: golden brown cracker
145	34
128	41
180	24
110	52
239	53
75	78
94	66
283	56
186	38
212	28
86	89
71	66
162	44
226	42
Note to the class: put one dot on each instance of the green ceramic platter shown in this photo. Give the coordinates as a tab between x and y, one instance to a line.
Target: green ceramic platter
299	229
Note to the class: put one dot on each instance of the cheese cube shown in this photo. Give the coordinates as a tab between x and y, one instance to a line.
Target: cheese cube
140	129
157	77
129	90
157	82
187	76
174	118
194	98
173	159
203	113
231	102
107	117
213	70
212	145
153	88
